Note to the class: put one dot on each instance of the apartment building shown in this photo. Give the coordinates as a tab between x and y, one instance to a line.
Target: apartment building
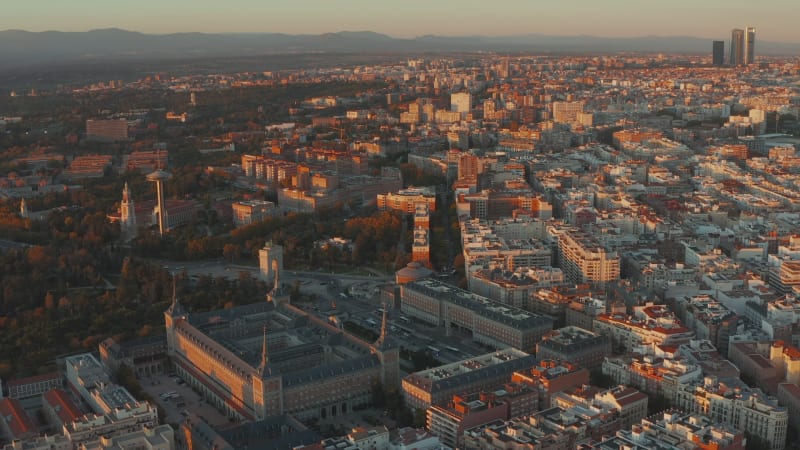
739	406
583	260
650	324
487	372
574	345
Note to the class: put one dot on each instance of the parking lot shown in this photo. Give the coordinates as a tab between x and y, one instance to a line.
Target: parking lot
183	398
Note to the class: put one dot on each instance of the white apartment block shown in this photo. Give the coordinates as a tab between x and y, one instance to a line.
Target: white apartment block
746	409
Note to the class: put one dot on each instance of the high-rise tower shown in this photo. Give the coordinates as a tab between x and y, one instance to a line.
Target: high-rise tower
718	53
750	45
737	47
158	177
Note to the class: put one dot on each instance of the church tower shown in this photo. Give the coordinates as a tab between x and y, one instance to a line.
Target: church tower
172	316
389	354
127	216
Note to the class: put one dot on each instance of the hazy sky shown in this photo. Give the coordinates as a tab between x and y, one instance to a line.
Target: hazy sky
775	20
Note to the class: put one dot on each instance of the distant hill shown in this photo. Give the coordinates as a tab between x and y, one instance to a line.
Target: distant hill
20	48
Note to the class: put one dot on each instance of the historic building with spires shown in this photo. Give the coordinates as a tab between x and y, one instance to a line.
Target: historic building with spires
272	358
127	214
146	213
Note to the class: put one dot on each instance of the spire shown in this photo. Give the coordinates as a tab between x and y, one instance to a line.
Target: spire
382	338
264	358
175	308
174	291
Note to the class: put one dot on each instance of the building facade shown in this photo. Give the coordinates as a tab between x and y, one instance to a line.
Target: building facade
491	323
312	369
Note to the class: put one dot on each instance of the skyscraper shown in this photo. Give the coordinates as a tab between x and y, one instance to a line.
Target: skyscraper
750	45
737	47
718	53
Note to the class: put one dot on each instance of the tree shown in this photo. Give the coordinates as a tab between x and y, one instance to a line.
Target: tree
232	252
49	301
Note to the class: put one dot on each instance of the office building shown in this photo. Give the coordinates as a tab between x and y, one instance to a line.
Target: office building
461	102
106	130
566	112
145	356
145	161
115	413
247	212
749	45
737	47
718	53
406	200
496	204
88	166
490	323
35	385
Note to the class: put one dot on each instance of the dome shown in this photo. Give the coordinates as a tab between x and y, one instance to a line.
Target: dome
413	271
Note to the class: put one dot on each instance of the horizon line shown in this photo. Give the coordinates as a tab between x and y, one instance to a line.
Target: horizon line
409	37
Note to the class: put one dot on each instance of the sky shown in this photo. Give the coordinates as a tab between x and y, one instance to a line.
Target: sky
775	20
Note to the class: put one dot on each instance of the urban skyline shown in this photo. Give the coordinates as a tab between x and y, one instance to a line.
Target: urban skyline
532	226
610	19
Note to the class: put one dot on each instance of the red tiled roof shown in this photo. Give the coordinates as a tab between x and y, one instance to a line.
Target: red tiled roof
791	351
18	421
63	405
628	396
